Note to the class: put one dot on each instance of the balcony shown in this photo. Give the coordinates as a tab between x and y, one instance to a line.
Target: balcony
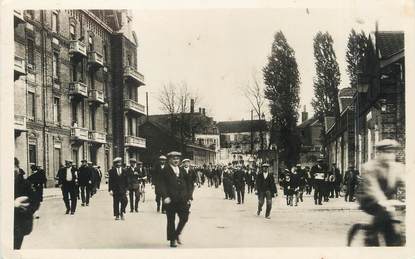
131	105
96	96
133	75
97	137
78	133
78	89
133	141
18	17
77	48
95	59
20	123
19	67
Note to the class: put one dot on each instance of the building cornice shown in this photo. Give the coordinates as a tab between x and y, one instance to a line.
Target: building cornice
99	21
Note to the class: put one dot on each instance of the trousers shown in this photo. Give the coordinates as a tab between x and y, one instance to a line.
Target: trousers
182	211
240	192
119	203
134	193
262	196
69	194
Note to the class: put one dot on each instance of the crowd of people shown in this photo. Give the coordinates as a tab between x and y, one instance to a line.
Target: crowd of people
174	180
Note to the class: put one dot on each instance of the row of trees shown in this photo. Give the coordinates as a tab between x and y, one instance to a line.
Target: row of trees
282	83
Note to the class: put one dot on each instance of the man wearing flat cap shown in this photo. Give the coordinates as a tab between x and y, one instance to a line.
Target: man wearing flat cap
117	187
191	175
68	181
266	189
135	175
176	193
156	174
85	182
319	174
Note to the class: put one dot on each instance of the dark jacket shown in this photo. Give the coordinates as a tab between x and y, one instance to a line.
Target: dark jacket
239	179
118	184
265	184
62	176
192	179
133	176
177	188
156	175
85	175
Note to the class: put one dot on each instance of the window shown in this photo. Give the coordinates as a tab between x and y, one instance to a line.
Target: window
105	56
75	156
106	122
92	80
74	113
54	22
32	154
72	31
82	114
130	126
30	52
57	159
92	119
107	160
90	43
129	59
55	65
31	14
56	110
105	88
31	105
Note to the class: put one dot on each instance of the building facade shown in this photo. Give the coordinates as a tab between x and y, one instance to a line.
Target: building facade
67	77
310	131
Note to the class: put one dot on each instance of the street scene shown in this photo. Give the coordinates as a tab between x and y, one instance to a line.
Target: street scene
211	132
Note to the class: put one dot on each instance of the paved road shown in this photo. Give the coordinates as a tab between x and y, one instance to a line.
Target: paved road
214	223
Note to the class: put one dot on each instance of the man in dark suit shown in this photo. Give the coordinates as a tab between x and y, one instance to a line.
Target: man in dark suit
68	181
133	184
156	174
239	182
266	189
191	175
117	187
319	174
85	181
176	193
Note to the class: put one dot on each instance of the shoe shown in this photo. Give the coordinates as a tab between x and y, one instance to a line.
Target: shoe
238	203
67	212
117	218
87	204
72	212
258	212
122	217
136	210
173	243
268	217
178	240
158	209
131	211
83	204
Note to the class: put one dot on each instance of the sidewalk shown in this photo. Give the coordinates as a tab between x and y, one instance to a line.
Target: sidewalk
50	193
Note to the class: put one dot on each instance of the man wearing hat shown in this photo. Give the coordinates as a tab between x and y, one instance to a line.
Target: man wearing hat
350	181
38	181
377	195
68	181
191	175
176	193
239	182
85	181
266	189
319	174
156	175
117	187
133	184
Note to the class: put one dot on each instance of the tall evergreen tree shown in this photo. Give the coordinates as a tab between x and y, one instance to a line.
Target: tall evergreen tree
327	77
282	82
356	48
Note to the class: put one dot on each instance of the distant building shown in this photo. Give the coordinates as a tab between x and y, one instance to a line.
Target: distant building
310	131
240	139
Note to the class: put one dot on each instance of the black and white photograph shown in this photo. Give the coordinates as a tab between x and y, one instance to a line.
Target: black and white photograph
191	129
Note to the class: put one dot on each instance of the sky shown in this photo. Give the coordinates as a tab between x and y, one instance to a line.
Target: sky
218	51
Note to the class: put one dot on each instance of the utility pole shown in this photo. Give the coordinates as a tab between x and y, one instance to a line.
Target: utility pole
146	106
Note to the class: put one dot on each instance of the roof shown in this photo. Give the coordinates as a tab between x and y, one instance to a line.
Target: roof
329	123
309	123
389	43
242	126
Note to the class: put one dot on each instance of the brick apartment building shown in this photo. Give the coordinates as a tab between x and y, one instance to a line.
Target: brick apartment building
75	87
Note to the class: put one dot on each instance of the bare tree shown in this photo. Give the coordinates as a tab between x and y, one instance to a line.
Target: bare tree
254	93
168	98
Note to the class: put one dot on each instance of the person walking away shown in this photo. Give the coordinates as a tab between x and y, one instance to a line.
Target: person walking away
377	193
68	182
294	185
99	177
176	193
26	203
227	183
117	187
350	181
85	182
94	179
302	182
239	182
266	189
309	180
337	182
133	184
157	173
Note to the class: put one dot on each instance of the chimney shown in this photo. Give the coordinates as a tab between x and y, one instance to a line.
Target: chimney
204	111
192	105
304	115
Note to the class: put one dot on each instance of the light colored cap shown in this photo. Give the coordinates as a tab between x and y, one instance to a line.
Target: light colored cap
174	153
69	161
133	159
265	165
162	157
117	159
186	160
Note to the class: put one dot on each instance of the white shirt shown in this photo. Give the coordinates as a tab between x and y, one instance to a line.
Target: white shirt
162	166
186	169
176	170
119	170
265	175
68	174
